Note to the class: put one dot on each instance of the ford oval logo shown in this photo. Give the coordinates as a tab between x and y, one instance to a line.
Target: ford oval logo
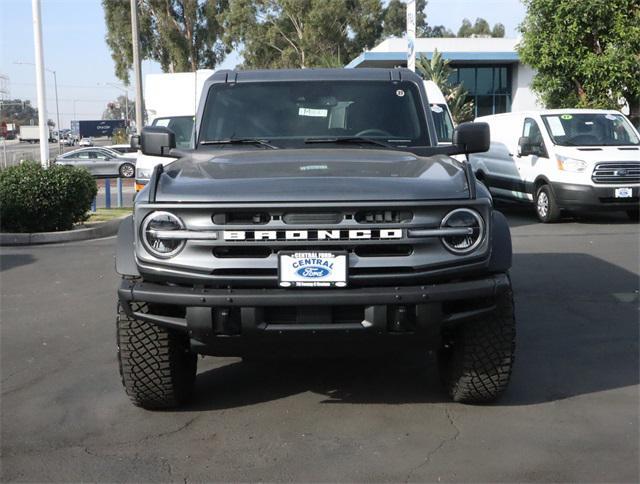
312	272
622	172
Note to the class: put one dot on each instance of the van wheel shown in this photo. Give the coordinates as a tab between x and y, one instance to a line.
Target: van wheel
546	205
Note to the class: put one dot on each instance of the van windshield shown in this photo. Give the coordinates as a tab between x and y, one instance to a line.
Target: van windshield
286	113
182	126
590	129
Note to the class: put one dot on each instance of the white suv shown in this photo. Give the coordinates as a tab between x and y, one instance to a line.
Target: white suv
574	159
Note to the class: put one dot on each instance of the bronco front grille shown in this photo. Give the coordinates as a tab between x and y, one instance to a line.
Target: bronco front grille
616	173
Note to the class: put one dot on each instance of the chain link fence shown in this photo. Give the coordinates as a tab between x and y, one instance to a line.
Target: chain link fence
14	154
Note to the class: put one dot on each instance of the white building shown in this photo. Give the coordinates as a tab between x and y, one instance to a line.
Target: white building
489	68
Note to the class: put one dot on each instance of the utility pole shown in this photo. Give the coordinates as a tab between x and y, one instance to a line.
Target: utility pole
40	85
137	66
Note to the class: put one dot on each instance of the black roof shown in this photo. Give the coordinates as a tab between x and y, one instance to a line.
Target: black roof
363	74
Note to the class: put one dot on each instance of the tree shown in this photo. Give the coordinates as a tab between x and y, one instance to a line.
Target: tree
301	33
182	35
395	21
437	70
116	109
586	54
480	28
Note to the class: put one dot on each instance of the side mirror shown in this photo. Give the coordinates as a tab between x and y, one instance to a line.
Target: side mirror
157	141
472	138
526	148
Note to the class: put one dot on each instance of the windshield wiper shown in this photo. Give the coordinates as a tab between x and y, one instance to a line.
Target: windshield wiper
350	139
239	141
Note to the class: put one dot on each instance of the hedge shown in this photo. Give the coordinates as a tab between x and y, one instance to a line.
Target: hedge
33	199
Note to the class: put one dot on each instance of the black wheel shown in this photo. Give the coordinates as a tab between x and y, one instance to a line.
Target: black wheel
157	369
634	214
546	205
477	357
127	170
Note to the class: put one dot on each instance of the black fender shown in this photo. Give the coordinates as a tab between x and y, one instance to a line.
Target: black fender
501	250
125	249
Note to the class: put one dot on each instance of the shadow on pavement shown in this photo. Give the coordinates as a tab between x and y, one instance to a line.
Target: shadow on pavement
9	261
577	334
520	214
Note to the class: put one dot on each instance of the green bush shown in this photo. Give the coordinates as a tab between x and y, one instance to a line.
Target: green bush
33	199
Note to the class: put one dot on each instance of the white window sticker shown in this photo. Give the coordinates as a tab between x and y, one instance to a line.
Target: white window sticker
162	122
611	117
400	93
314	113
436	109
556	126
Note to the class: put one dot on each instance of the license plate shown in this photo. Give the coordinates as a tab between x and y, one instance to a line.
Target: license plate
624	193
312	269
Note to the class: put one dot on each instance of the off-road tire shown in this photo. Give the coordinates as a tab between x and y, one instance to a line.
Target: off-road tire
157	369
551	211
477	356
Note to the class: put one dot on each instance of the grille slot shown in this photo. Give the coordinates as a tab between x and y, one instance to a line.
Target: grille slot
241	218
312	218
383	250
383	216
616	173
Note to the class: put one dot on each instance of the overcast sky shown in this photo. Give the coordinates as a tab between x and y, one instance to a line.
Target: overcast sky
74	46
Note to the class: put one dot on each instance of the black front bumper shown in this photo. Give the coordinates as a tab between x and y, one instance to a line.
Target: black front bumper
578	197
244	321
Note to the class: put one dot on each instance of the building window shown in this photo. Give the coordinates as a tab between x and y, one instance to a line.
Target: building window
489	87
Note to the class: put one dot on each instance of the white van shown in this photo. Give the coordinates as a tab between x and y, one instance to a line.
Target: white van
441	113
575	159
171	100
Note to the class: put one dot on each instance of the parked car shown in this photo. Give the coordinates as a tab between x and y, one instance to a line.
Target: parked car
86	142
100	162
563	159
123	149
316	214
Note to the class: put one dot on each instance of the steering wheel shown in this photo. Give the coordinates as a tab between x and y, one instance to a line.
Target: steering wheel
373	132
582	139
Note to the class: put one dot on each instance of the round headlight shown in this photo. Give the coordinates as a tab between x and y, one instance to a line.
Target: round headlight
156	234
463	218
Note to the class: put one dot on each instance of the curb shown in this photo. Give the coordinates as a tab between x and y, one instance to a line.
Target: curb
96	231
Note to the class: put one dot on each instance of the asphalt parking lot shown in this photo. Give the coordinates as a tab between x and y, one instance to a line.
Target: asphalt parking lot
570	414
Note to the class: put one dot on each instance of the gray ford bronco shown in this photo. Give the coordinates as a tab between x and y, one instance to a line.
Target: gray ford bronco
316	214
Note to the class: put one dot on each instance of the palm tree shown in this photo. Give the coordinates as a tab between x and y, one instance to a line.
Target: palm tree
437	70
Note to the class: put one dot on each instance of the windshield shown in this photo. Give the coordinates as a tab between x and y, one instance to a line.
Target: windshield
443	122
292	112
182	126
595	129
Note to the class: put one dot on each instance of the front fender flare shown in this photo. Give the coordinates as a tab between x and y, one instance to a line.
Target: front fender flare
125	249
501	249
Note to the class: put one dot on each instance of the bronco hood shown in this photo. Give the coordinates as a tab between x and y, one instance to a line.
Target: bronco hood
311	175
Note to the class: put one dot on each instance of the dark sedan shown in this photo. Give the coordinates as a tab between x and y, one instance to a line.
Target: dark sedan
100	162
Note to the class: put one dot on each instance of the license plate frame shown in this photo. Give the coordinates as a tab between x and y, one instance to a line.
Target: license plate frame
623	192
325	268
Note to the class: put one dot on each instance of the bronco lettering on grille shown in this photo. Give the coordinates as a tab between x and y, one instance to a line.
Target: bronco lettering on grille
266	235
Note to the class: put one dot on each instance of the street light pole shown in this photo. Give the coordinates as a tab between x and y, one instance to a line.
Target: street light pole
40	85
55	83
137	67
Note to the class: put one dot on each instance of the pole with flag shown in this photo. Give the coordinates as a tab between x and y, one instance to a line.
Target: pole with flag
411	34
